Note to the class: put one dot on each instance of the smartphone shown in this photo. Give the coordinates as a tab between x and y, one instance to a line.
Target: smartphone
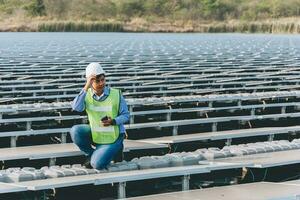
104	118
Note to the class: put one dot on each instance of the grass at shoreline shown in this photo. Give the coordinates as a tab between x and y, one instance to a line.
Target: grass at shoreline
290	26
73	26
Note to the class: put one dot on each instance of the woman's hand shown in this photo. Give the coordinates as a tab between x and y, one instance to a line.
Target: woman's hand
89	82
107	122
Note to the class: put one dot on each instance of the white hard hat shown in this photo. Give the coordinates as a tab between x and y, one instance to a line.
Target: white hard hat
93	69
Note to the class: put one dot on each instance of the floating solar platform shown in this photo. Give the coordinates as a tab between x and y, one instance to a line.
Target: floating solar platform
185	90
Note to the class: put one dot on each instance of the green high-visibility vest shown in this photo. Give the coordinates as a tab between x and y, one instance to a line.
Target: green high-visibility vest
96	110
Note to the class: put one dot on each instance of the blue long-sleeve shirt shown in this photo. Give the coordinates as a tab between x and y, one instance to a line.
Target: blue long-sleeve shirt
78	104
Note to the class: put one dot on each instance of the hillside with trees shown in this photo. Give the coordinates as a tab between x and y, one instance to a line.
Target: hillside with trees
271	16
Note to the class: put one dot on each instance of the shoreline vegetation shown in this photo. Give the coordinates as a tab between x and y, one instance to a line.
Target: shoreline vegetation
202	16
289	26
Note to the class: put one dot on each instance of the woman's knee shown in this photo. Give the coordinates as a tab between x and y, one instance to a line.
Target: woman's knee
78	132
74	132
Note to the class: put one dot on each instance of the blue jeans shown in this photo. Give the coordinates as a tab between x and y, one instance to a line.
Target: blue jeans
103	154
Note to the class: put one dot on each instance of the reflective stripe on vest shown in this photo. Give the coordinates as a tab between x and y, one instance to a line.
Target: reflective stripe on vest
96	110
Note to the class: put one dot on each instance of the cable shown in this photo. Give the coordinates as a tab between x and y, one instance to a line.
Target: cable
170	148
264	177
175	147
292	177
253	178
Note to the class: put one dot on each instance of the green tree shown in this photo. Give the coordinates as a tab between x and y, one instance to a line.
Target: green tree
36	8
131	8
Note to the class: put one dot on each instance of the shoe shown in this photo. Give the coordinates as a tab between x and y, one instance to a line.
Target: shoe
87	163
